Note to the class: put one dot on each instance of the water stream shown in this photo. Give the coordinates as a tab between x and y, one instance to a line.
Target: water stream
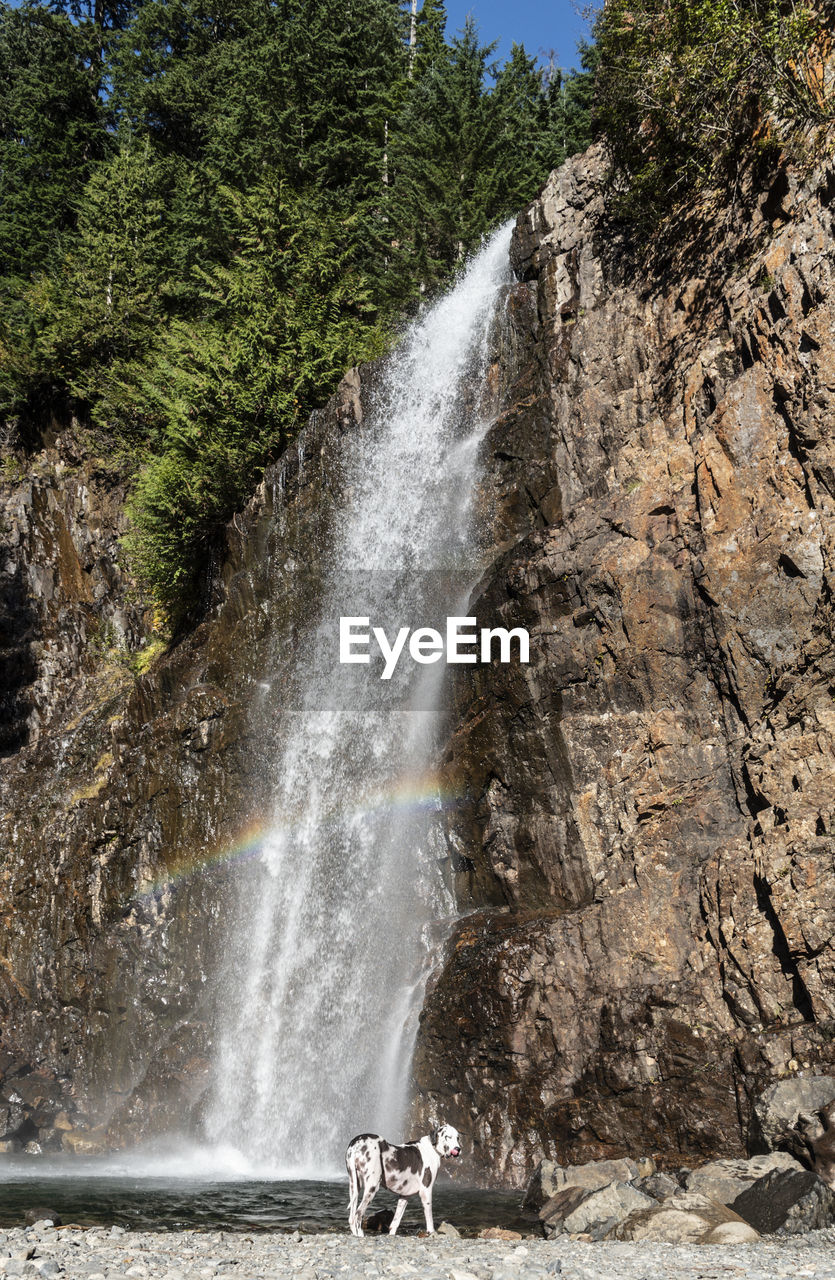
332	939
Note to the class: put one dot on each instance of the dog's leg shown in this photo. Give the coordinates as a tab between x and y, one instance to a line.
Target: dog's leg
353	1183
371	1189
426	1201
398	1214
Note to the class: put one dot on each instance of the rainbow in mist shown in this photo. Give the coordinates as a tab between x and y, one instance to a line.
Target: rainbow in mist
426	792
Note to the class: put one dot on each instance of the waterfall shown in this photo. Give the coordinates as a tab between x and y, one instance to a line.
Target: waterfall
331	944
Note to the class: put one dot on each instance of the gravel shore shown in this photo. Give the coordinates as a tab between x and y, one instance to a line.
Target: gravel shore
105	1254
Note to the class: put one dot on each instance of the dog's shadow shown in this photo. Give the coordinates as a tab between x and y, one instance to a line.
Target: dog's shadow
379	1222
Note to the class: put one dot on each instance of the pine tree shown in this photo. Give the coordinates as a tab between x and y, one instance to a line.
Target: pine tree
190	74
52	130
280	325
130	268
442	154
430	48
519	107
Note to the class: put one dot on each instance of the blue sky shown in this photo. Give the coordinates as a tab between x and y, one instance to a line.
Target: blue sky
539	26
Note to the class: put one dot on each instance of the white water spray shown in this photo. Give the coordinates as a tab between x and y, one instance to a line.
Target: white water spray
330	950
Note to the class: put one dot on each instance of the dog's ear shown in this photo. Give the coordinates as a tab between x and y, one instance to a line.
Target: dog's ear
433	1134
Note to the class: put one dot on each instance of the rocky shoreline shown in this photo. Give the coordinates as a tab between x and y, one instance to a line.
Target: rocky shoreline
108	1254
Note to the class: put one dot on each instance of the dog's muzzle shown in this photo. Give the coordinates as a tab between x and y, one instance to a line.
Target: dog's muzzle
456	1151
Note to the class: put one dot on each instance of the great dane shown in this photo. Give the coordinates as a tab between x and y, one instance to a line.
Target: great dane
407	1171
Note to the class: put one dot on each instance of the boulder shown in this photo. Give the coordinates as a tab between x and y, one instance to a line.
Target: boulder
560	1205
42	1216
499	1233
578	1210
540	1188
686	1218
779	1109
788	1201
549	1178
658	1185
724	1180
599	1173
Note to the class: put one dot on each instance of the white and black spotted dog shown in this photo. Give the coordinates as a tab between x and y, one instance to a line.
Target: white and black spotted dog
407	1171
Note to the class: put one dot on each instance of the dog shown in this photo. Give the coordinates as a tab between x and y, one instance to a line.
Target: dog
407	1171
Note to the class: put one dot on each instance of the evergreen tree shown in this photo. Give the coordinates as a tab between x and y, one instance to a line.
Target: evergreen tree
442	154
52	131
430	48
568	100
190	74
519	108
130	268
281	323
304	88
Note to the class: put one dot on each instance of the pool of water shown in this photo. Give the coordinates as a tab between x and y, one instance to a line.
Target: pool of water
159	1203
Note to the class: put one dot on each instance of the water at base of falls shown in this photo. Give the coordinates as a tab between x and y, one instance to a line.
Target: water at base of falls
156	1194
334	931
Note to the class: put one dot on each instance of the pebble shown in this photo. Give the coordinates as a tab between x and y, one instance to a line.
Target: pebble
94	1254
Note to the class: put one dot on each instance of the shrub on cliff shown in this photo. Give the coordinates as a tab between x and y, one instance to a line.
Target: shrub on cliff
687	90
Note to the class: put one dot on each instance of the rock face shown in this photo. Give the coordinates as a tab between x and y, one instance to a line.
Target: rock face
647	829
123	794
643	840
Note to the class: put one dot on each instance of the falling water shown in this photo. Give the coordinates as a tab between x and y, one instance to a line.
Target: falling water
331	946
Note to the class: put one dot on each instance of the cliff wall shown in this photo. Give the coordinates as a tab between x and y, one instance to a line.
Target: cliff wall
642	847
125	795
647	837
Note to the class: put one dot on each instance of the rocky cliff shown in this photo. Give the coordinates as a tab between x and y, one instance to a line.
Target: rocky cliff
642	848
649	860
126	792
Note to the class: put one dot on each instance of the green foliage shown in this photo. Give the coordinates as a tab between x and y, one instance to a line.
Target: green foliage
143	224
51	132
281	324
441	156
569	98
686	89
235	201
465	155
430	47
